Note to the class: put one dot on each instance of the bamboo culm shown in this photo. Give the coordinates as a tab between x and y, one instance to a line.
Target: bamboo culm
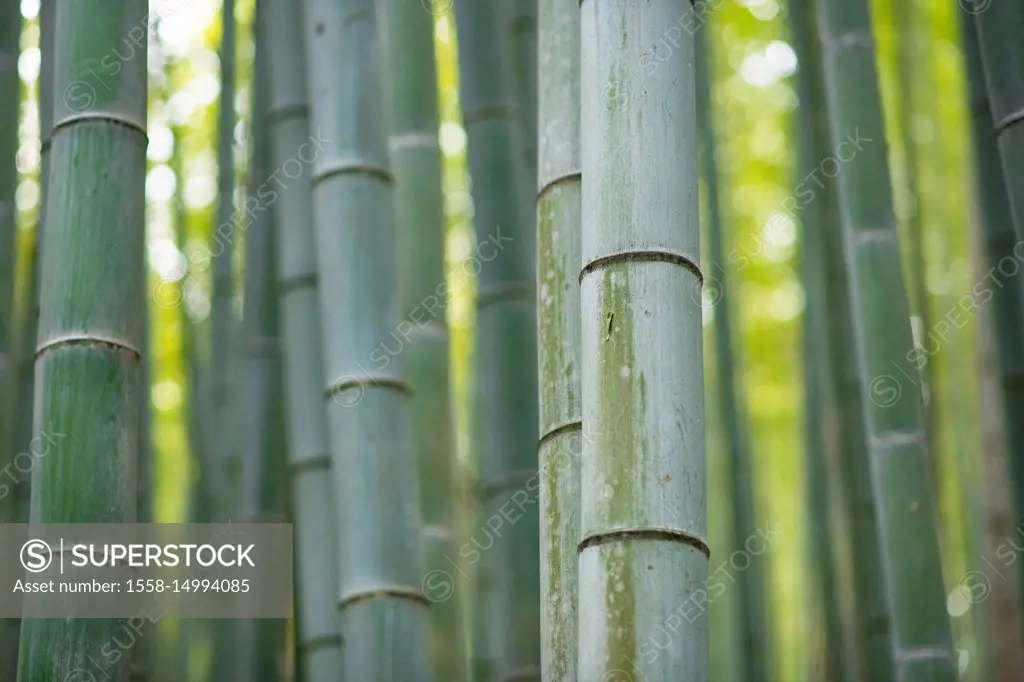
901	476
506	630
91	311
643	552
559	223
420	232
385	618
312	486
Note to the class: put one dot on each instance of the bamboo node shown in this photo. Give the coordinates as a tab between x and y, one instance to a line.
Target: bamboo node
383	592
352	167
100	117
649	533
644	256
58	342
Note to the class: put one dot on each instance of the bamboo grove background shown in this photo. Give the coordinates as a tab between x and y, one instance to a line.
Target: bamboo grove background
762	301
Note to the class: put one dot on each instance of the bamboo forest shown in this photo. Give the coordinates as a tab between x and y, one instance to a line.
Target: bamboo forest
571	340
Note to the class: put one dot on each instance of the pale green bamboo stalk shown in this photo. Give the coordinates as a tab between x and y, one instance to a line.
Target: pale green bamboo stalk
260	643
220	447
901	474
423	338
821	403
559	231
1000	242
318	639
10	352
520	25
1001	41
643	557
507	615
385	620
91	308
750	583
867	623
10	86
906	19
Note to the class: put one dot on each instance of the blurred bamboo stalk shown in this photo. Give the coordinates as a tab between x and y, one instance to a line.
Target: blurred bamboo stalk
506	628
901	472
1002	366
1000	32
420	234
385	616
13	414
219	448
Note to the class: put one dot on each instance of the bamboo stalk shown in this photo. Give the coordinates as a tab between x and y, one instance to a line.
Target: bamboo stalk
644	554
260	650
11	353
821	402
10	85
385	623
1000	242
559	225
221	438
1001	45
318	639
91	308
507	620
520	25
901	474
419	222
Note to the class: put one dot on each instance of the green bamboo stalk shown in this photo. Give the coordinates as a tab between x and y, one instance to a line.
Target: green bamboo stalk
420	228
319	639
10	86
143	650
867	621
1000	243
220	448
559	231
998	618
385	620
520	22
901	475
906	20
1000	30
260	648
10	353
91	308
750	583
643	557
821	403
507	619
